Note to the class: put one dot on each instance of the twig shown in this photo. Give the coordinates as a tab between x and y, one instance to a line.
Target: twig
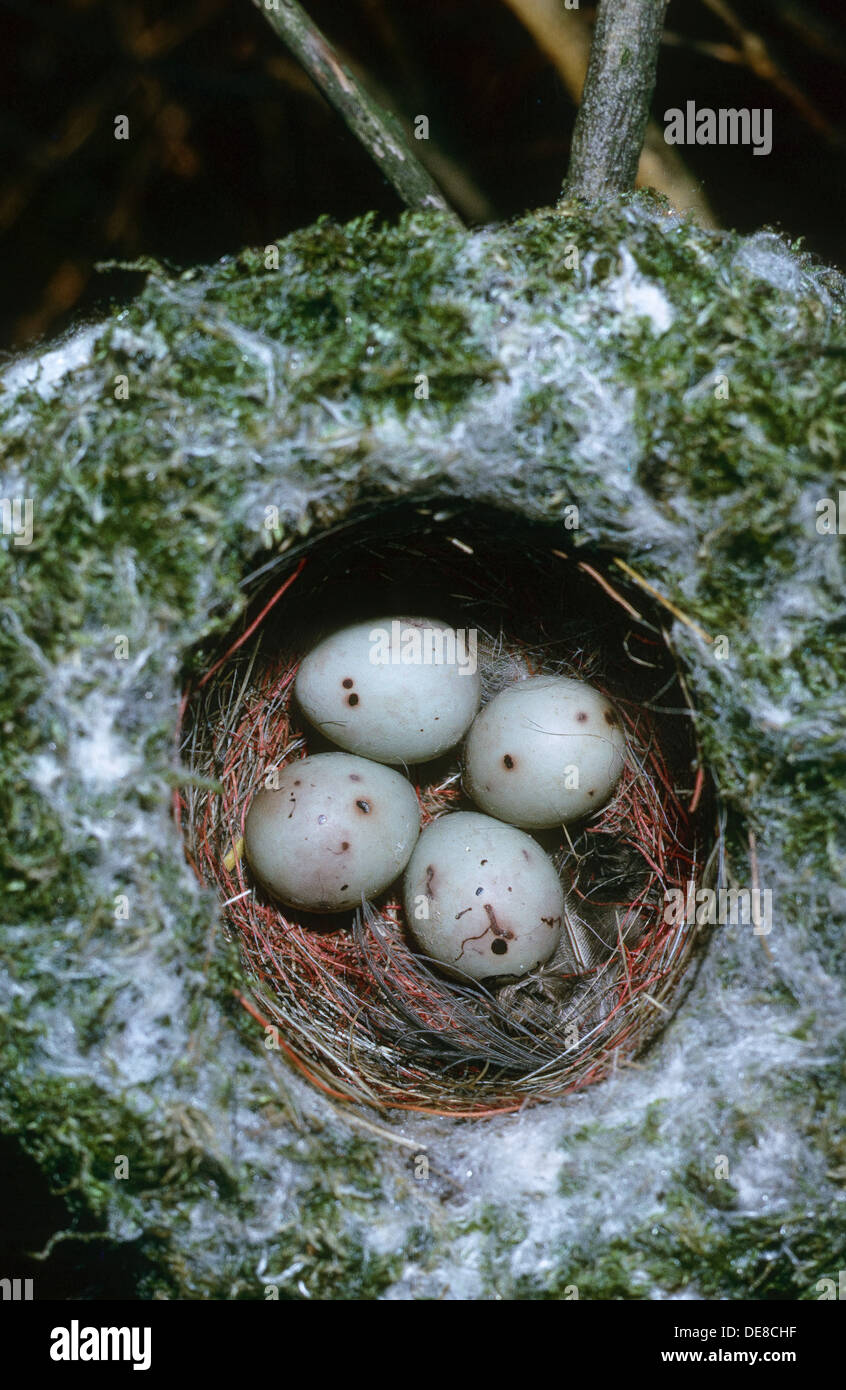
656	593
461	192
755	53
378	131
564	35
603	583
697	790
452	176
612	118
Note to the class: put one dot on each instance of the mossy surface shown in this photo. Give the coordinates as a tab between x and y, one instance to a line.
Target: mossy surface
686	390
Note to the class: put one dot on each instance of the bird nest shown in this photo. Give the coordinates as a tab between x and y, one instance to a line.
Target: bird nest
349	999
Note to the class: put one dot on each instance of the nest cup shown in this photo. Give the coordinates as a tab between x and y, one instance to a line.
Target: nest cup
351	1001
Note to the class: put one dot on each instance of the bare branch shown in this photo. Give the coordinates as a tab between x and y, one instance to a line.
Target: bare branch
379	131
564	35
612	118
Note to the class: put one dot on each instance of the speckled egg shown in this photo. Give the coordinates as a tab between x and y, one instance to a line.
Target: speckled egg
544	751
398	690
337	828
481	898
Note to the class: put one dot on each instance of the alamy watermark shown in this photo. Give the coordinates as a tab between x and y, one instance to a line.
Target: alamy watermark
16	1290
722	907
727	126
827	1289
83	1343
17	516
831	515
418	644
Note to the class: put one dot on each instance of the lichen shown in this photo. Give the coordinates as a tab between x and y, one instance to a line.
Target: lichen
685	389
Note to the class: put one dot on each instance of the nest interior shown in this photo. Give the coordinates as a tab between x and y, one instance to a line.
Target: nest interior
348	997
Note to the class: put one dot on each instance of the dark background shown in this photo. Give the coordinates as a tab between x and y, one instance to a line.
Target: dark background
230	144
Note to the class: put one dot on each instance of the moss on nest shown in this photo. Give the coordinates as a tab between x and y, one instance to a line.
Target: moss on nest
297	389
